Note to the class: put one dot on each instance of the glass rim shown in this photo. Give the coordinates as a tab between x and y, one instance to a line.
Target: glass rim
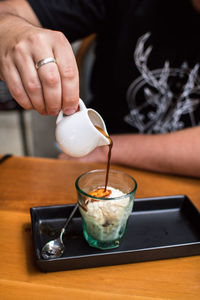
104	170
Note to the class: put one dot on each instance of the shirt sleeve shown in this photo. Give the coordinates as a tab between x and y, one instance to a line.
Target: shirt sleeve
75	18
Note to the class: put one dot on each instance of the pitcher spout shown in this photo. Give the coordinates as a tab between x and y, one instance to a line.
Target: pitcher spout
98	122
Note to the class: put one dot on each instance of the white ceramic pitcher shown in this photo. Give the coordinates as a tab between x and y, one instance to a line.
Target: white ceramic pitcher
77	135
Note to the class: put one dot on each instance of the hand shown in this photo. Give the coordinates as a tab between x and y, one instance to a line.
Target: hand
99	155
53	86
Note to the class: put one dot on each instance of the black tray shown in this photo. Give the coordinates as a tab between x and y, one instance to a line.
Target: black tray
158	228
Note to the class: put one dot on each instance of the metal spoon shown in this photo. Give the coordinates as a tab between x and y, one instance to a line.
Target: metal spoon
55	248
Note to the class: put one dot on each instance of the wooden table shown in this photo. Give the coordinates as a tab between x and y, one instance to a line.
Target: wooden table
28	182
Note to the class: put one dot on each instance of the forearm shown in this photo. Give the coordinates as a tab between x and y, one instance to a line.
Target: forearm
175	153
17	10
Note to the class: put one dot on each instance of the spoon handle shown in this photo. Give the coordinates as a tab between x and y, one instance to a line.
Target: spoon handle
68	220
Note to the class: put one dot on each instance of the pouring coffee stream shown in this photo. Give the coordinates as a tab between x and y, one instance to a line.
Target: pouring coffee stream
109	155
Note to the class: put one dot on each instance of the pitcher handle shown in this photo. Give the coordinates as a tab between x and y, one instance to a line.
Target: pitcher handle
59	117
81	108
81	105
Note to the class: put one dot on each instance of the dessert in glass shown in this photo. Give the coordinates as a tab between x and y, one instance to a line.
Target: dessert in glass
105	210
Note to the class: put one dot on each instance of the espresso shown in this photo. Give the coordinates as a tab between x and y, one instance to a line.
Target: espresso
101	192
109	154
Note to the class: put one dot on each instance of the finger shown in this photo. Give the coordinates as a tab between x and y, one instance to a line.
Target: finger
15	86
31	82
51	84
69	76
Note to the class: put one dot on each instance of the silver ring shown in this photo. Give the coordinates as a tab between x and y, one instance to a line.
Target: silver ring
45	61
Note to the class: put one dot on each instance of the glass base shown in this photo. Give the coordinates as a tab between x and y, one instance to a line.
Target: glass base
103	245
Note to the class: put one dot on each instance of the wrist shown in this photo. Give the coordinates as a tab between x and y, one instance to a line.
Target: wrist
8	20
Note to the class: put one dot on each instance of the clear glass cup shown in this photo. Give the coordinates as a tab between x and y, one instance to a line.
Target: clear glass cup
104	220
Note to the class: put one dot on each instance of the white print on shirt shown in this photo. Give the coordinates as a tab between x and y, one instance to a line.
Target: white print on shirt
162	100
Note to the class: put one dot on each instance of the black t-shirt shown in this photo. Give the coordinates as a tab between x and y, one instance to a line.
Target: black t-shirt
134	89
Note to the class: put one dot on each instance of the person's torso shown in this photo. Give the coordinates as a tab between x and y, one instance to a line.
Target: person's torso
137	90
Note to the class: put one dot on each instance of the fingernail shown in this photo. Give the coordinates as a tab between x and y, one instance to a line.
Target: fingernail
69	111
